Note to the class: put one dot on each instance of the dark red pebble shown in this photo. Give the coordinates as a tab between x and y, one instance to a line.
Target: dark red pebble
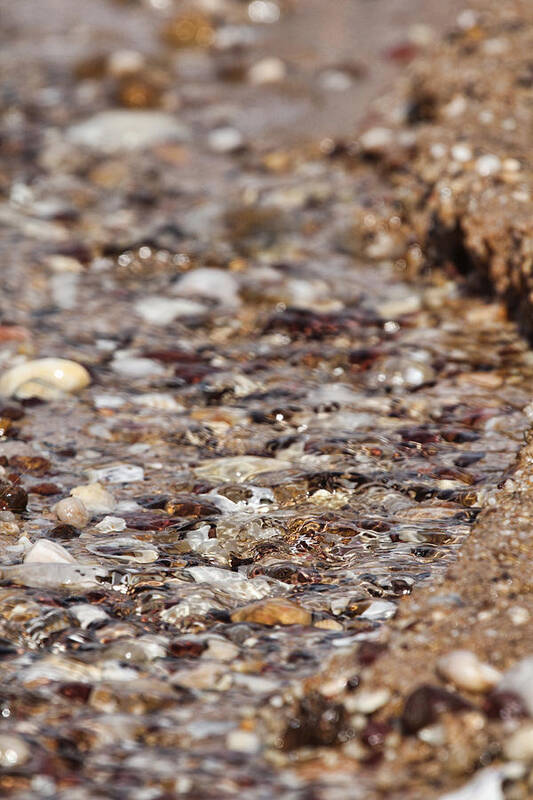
426	703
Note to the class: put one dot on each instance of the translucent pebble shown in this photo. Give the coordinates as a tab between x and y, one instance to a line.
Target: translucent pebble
56	575
47	552
37	378
133	367
87	614
72	511
95	497
164	310
466	671
238	469
217	284
116	473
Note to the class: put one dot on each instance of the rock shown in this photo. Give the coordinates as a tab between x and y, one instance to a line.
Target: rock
486	785
136	367
425	704
113	131
95	498
276	611
379	609
14	751
110	524
239	469
42	377
225	139
158	401
211	282
56	575
164	310
116	473
464	669
236	585
519	746
267	70
12	497
47	552
376	140
366	701
72	511
519	679
221	650
243	741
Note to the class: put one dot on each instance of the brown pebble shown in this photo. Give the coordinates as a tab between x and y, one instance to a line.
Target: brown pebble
12	497
64	531
45	489
272	612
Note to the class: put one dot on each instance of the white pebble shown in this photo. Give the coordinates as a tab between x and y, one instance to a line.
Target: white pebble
225	139
116	473
466	671
13	751
486	785
243	741
376	139
125	62
95	498
87	614
47	373
488	165
112	131
110	524
267	70
164	310
47	552
519	679
366	701
72	511
161	402
461	152
133	367
217	284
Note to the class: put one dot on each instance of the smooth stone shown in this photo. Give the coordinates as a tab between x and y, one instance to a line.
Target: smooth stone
221	650
87	614
164	310
466	671
48	552
225	139
110	524
276	611
519	679
519	746
95	498
112	131
158	401
137	367
267	70
116	473
73	576
217	284
379	609
243	741
238	586
34	378
72	510
486	785
14	751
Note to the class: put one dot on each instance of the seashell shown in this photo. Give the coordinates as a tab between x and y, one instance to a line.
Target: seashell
43	378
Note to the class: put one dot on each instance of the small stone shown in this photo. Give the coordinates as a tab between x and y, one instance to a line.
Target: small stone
488	165
35	378
225	140
211	282
72	510
87	615
113	131
116	473
164	310
110	524
239	469
466	671
519	679
95	498
376	140
13	751
276	611
13	497
424	705
519	746
366	701
221	650
123	63
47	552
267	70
243	741
64	532
486	785
134	367
158	401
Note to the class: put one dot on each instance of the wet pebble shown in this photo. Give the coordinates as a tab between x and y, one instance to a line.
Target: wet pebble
217	284
116	473
164	310
267	70
47	552
519	745
37	378
136	367
519	679
14	751
466	671
95	497
225	140
72	511
273	612
110	524
113	131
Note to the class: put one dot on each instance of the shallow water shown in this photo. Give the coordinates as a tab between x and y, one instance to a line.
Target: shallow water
305	423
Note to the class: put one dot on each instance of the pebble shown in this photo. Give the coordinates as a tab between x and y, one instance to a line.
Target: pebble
466	671
239	469
488	165
136	367
95	498
87	614
486	785
243	741
519	679
379	609
113	131
221	650
14	751
159	401
272	612
164	310
235	584
36	378
225	139
211	282
116	473
110	524
46	551
72	510
366	701
519	746
375	140
267	70
55	576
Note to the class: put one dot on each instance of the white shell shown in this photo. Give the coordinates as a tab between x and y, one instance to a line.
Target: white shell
40	376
